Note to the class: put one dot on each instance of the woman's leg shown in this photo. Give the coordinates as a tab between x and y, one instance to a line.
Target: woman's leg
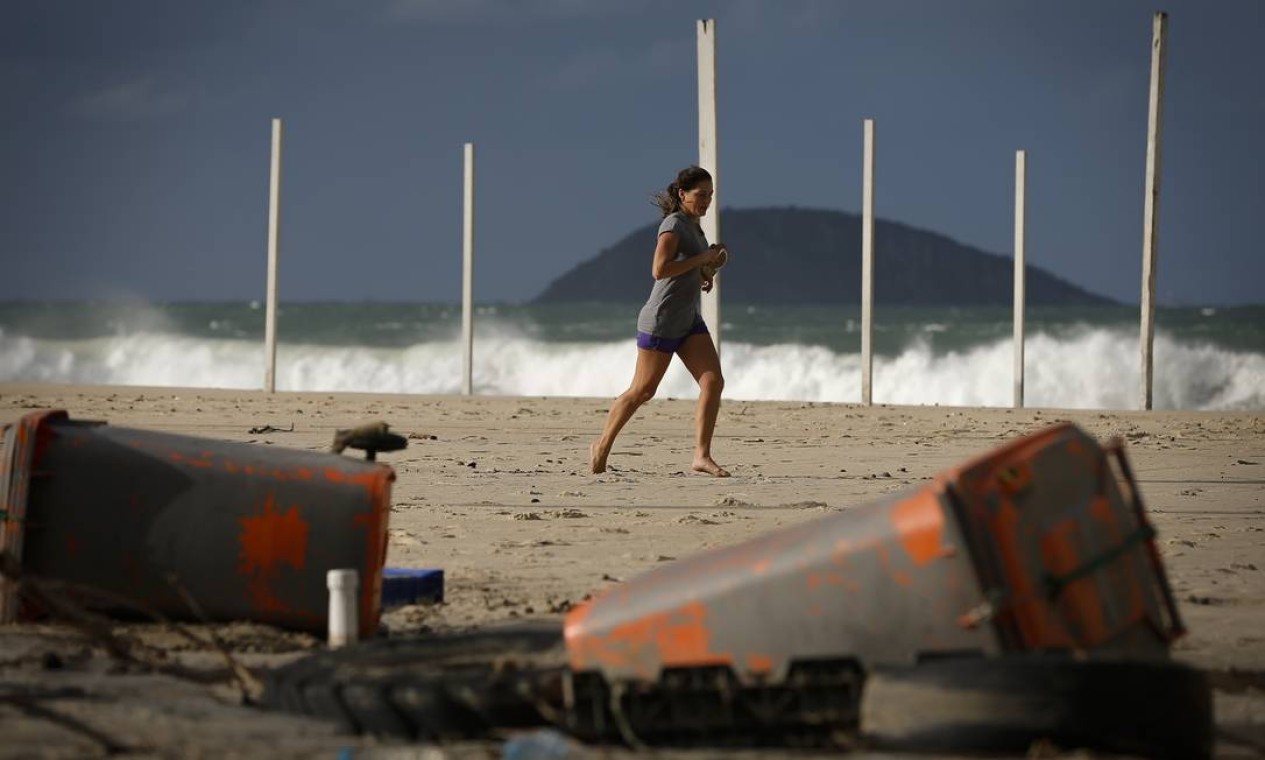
699	354
651	365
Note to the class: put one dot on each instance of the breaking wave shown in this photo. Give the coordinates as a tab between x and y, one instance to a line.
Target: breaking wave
1094	368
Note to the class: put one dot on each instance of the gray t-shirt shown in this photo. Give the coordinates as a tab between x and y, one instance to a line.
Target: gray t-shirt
674	301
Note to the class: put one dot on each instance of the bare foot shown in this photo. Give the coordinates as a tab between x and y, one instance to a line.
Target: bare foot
597	457
709	466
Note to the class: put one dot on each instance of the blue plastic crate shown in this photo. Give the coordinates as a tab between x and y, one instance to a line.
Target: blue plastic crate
410	585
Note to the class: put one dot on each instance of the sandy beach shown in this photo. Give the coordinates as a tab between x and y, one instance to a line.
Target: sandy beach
496	491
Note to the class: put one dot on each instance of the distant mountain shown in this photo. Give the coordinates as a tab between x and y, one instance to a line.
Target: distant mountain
806	256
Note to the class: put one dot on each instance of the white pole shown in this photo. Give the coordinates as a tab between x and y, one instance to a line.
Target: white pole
1021	178
707	158
867	266
1151	209
467	277
274	235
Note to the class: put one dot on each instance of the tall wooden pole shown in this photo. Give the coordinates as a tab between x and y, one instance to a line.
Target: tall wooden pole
1021	178
467	275
707	158
1151	209
867	267
274	242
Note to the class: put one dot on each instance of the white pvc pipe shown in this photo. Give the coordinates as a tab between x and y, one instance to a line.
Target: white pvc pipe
344	624
274	235
708	159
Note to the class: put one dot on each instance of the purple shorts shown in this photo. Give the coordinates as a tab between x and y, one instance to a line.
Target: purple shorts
670	345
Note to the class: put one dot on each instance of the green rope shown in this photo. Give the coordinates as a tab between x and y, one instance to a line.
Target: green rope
1056	583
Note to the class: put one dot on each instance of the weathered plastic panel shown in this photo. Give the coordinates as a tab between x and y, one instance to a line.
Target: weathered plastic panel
881	583
1032	546
247	531
1063	546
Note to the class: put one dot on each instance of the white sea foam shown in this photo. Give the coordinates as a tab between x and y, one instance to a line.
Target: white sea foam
1094	368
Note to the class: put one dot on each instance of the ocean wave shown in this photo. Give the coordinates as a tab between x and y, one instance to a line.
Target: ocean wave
1093	368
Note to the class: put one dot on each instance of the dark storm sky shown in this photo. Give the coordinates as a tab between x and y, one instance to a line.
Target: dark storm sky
134	136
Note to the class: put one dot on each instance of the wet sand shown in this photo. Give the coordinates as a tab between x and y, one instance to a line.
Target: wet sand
497	492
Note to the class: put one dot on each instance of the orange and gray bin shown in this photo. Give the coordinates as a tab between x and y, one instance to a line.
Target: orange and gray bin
246	532
1040	545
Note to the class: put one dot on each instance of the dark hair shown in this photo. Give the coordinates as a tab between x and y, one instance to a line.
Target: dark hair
668	200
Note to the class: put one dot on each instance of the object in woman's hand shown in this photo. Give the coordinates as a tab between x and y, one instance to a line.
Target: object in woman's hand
709	270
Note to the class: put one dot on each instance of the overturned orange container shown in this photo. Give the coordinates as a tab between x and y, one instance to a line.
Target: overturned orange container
1039	545
191	528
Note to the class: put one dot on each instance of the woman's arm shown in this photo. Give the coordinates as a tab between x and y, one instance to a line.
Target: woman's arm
664	265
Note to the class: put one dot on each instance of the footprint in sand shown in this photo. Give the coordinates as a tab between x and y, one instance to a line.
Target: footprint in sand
401	537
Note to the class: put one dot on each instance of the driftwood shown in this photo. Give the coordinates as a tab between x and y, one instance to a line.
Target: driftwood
371	438
54	597
261	429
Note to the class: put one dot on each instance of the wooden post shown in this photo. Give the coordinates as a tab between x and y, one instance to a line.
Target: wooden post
274	241
707	158
1021	171
467	276
867	266
1151	209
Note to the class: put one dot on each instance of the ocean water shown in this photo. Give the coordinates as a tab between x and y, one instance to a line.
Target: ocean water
1074	358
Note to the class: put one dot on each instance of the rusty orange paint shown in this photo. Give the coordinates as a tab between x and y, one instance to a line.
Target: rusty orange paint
365	480
1086	454
210	459
576	618
674	637
272	537
1036	626
1079	602
1101	509
266	541
189	461
759	663
919	521
298	473
263	598
830	578
880	552
841	552
1078	618
374	523
43	432
1016	477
